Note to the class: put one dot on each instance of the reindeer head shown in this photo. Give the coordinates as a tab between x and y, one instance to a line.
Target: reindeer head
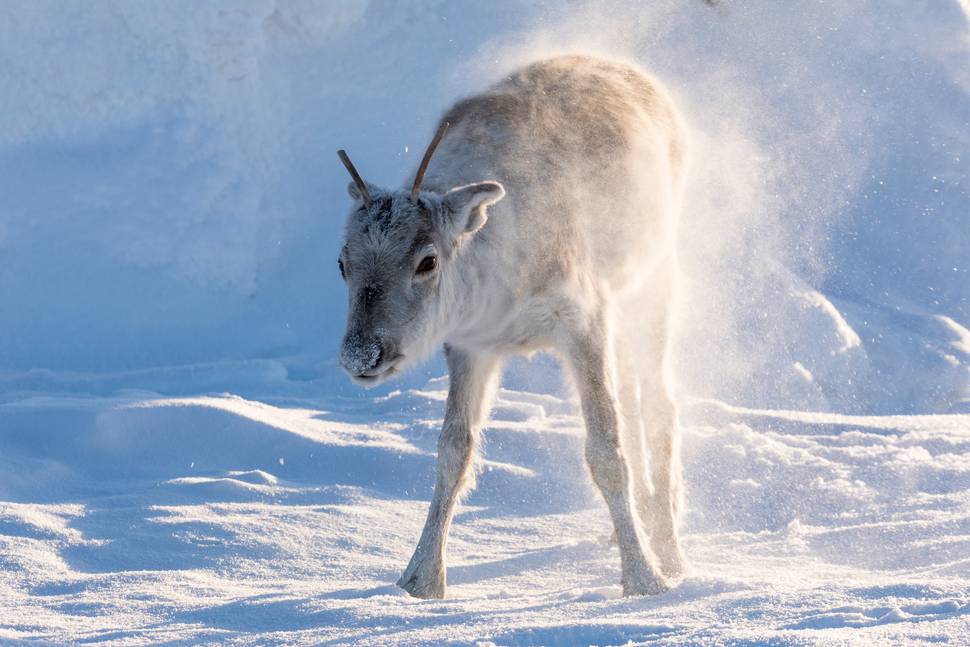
399	249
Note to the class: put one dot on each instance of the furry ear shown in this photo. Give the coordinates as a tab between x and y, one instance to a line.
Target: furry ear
465	206
354	192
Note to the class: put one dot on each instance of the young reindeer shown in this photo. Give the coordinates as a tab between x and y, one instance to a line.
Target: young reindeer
578	258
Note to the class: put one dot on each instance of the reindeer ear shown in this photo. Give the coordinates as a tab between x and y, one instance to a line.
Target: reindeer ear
354	192
465	206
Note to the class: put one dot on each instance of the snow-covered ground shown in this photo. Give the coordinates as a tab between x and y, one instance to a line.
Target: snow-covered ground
182	462
139	519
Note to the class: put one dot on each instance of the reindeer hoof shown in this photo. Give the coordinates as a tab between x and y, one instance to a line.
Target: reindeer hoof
643	582
673	563
423	583
650	586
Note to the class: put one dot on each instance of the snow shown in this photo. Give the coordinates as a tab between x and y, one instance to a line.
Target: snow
230	520
181	460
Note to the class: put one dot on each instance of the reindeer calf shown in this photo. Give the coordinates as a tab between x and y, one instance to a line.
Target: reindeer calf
545	221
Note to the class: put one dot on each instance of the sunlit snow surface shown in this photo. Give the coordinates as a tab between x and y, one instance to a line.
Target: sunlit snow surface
229	520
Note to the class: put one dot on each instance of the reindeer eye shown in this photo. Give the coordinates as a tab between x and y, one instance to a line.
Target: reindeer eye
340	264
427	264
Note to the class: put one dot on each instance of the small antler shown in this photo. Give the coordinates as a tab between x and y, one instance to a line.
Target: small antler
427	159
361	185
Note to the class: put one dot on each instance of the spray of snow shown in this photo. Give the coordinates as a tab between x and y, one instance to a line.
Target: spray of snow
759	198
784	161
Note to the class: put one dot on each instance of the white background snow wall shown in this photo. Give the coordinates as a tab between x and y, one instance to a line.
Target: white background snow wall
169	191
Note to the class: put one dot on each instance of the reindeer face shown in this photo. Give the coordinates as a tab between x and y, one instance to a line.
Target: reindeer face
391	266
392	263
397	253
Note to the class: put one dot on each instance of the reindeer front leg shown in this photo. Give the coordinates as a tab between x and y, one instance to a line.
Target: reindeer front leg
473	383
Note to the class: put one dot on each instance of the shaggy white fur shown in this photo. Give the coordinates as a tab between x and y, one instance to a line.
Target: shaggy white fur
591	156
